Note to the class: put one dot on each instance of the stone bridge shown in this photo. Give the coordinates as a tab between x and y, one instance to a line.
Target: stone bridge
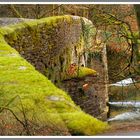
63	49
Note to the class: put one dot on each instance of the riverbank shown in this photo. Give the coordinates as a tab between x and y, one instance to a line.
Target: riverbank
123	129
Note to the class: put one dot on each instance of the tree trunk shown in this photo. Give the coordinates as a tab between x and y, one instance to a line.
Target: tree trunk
137	12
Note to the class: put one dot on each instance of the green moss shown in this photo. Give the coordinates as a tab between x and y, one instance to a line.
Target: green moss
50	21
32	90
81	124
81	72
80	45
84	71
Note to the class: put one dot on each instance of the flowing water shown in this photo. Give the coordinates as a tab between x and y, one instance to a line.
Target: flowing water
124	110
127	104
124	119
128	111
124	115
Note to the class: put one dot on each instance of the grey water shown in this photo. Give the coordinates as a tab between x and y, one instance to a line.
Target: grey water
127	116
134	114
131	109
125	82
125	104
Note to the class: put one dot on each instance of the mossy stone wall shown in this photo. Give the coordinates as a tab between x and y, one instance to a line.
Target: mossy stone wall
91	92
51	45
98	61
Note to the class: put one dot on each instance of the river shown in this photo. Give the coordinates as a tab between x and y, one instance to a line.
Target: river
124	116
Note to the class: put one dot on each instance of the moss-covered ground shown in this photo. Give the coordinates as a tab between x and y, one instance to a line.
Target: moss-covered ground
22	87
